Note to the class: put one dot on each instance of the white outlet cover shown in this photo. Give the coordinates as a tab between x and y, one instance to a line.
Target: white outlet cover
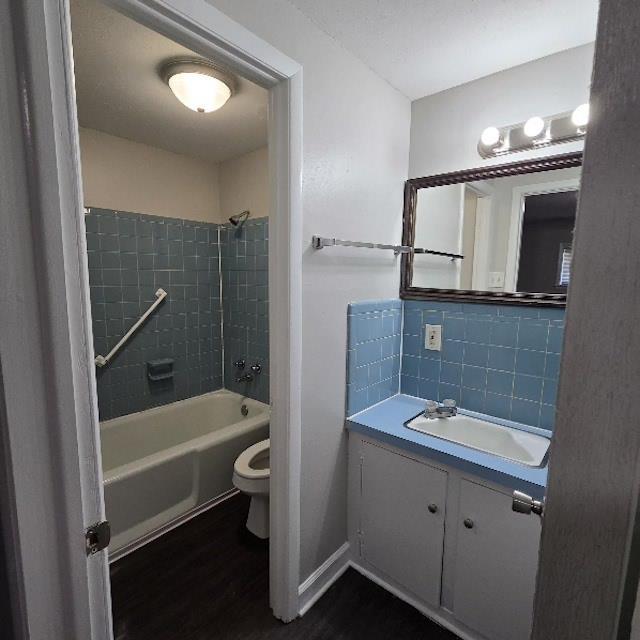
433	337
496	279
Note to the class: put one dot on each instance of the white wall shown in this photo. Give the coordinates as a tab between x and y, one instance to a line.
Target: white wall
355	155
439	217
446	126
129	176
244	184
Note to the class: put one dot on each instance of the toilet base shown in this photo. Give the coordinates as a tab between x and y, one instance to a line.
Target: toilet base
258	519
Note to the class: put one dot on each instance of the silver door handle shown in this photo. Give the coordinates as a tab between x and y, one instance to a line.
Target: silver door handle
522	503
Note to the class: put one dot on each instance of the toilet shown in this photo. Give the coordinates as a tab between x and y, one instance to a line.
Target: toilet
251	476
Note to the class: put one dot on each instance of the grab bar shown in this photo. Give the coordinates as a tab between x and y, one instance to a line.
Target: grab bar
101	361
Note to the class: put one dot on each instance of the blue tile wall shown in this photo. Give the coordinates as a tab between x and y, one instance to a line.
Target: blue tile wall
245	276
374	353
499	360
130	255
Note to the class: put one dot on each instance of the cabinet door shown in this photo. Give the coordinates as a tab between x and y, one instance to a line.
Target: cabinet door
401	535
496	562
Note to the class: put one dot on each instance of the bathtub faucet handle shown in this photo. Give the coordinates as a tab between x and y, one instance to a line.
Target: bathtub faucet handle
239	364
256	368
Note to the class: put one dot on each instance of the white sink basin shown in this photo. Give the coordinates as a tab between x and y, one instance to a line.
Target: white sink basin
520	446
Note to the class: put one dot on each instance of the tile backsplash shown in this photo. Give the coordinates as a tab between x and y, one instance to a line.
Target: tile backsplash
500	360
374	352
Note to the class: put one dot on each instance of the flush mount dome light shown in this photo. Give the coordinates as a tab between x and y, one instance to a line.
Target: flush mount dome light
198	84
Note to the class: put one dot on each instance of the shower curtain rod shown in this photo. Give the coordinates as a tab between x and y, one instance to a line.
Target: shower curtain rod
101	361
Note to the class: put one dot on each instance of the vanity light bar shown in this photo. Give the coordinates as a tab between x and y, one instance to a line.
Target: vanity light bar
535	132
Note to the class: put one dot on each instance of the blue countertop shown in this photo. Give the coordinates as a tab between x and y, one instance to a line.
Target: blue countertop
385	422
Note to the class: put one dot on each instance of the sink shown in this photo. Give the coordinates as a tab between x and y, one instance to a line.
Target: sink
506	442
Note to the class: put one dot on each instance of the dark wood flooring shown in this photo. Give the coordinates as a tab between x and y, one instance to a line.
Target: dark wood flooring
208	579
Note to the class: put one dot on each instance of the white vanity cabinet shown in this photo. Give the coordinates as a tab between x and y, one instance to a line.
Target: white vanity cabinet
495	564
445	541
402	526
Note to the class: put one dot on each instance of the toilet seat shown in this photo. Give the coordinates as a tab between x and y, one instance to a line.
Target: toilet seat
242	465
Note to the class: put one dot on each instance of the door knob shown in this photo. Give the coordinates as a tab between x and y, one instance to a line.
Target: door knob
433	508
468	522
522	503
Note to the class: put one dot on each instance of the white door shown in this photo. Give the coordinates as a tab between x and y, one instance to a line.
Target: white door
495	564
402	528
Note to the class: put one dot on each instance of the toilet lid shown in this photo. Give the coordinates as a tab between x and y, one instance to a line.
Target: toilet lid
243	462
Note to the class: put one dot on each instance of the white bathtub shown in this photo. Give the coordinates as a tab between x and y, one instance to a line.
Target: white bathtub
163	464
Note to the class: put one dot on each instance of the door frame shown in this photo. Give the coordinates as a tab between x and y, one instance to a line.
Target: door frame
53	471
517	219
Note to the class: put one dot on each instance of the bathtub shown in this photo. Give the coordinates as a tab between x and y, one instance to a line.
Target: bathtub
164	465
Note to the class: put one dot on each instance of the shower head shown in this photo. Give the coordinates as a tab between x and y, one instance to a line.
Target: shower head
239	219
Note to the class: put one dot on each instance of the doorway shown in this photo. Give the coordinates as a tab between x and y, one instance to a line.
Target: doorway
55	193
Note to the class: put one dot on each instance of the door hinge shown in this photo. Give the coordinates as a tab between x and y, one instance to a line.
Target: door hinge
97	537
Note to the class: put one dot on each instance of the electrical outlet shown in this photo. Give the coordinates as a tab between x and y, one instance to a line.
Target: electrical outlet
496	279
433	337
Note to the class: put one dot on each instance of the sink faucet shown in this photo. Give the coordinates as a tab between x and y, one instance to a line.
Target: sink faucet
434	409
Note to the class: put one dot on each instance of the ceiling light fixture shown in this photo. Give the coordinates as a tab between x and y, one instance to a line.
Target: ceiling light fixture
198	84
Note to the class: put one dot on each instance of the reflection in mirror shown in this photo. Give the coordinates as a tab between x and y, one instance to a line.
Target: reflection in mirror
514	233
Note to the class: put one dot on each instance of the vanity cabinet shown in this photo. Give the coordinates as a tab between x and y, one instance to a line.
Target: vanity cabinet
495	564
446	541
402	526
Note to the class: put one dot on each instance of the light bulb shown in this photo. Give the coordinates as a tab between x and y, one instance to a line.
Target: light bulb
533	127
490	137
580	115
199	92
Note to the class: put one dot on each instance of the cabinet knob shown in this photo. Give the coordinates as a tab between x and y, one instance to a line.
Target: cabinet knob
433	508
468	522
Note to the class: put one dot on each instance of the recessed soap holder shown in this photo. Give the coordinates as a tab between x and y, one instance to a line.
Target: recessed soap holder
161	369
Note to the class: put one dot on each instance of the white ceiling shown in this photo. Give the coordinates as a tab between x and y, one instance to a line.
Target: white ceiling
425	46
120	92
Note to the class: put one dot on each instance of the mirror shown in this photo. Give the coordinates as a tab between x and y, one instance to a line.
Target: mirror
503	232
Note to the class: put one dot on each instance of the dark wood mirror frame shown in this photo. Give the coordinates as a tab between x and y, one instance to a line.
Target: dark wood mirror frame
407	292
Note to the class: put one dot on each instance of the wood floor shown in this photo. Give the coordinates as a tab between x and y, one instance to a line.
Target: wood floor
208	579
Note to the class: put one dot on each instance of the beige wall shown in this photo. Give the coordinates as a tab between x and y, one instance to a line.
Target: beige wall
129	176
244	184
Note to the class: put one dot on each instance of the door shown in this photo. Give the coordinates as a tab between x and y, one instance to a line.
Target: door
495	564
590	552
402	522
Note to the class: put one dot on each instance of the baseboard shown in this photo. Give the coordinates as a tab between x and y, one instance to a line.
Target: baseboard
425	610
176	522
312	589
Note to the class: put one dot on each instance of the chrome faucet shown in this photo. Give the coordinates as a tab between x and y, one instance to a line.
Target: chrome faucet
434	409
247	377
